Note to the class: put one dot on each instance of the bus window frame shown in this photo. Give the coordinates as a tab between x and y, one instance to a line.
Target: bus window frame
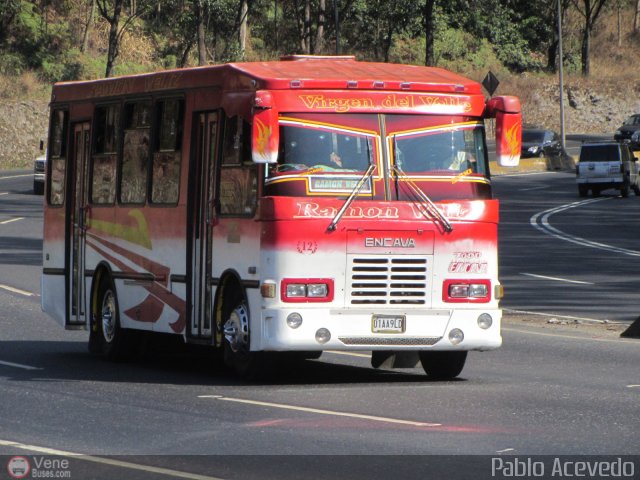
117	154
121	150
65	139
155	146
244	164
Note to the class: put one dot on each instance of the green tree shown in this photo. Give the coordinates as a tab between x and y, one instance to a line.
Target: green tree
590	11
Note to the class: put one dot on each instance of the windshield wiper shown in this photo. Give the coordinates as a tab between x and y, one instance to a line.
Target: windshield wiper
429	209
367	176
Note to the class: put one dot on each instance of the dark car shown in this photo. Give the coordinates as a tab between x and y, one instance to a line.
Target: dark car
540	143
626	132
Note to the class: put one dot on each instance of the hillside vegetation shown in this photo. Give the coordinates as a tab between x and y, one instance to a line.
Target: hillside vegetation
513	49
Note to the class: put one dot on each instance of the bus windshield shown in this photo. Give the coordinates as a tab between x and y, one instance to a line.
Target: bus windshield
441	151
327	154
322	148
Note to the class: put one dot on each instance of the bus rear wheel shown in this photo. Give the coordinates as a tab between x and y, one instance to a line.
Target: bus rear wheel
440	365
107	337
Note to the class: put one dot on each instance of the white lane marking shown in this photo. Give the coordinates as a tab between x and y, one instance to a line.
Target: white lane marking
107	461
544	226
558	279
17	176
506	450
633	386
17	290
568	317
350	354
4	193
19	365
4	222
521	174
323	412
532	188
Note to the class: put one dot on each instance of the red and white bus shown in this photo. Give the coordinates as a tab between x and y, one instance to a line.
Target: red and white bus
301	205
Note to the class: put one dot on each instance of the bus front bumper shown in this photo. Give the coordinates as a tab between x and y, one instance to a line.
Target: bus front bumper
329	329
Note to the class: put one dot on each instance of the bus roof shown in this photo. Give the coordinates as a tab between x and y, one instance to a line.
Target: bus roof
295	72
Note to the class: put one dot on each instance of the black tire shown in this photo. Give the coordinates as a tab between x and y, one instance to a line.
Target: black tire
583	190
442	365
624	191
107	337
38	188
236	338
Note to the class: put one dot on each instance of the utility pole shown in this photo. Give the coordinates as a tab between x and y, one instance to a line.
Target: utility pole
561	75
337	15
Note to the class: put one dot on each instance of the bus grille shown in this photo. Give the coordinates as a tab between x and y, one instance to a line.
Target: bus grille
391	341
388	281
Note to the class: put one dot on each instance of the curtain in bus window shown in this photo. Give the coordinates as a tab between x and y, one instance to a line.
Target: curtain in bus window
165	178
236	147
135	153
238	190
103	172
58	156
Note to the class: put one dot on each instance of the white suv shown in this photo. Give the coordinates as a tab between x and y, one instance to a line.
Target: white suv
605	165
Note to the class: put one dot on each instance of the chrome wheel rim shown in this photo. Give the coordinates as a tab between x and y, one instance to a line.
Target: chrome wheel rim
236	329
108	316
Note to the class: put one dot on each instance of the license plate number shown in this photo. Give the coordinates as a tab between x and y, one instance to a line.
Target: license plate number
388	323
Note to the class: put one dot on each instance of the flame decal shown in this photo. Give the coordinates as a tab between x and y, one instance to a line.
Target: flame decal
261	140
511	139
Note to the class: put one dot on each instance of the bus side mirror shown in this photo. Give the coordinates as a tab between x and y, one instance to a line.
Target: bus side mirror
265	132
506	110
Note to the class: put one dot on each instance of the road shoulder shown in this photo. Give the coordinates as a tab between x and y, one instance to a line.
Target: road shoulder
560	326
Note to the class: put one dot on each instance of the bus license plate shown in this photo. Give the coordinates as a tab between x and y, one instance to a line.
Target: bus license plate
388	323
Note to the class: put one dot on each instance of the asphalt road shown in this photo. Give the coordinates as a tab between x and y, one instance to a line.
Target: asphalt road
173	414
565	255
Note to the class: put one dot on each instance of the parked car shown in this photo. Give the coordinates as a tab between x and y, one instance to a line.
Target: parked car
630	132
540	142
39	167
605	165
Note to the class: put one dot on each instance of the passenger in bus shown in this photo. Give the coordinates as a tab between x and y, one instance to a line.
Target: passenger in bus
462	161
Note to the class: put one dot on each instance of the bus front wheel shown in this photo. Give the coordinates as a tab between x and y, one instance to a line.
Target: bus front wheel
441	365
237	354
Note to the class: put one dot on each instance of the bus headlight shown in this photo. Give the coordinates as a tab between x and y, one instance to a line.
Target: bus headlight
307	290
473	291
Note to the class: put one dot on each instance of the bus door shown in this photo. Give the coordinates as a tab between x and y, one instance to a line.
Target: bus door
202	220
77	225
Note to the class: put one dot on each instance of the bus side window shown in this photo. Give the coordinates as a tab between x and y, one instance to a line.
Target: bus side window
135	152
58	156
103	171
238	174
167	155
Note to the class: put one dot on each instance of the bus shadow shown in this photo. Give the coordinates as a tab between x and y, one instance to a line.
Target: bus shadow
70	361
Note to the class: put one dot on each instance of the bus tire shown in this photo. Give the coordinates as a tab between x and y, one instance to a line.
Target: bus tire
440	365
237	355
107	337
